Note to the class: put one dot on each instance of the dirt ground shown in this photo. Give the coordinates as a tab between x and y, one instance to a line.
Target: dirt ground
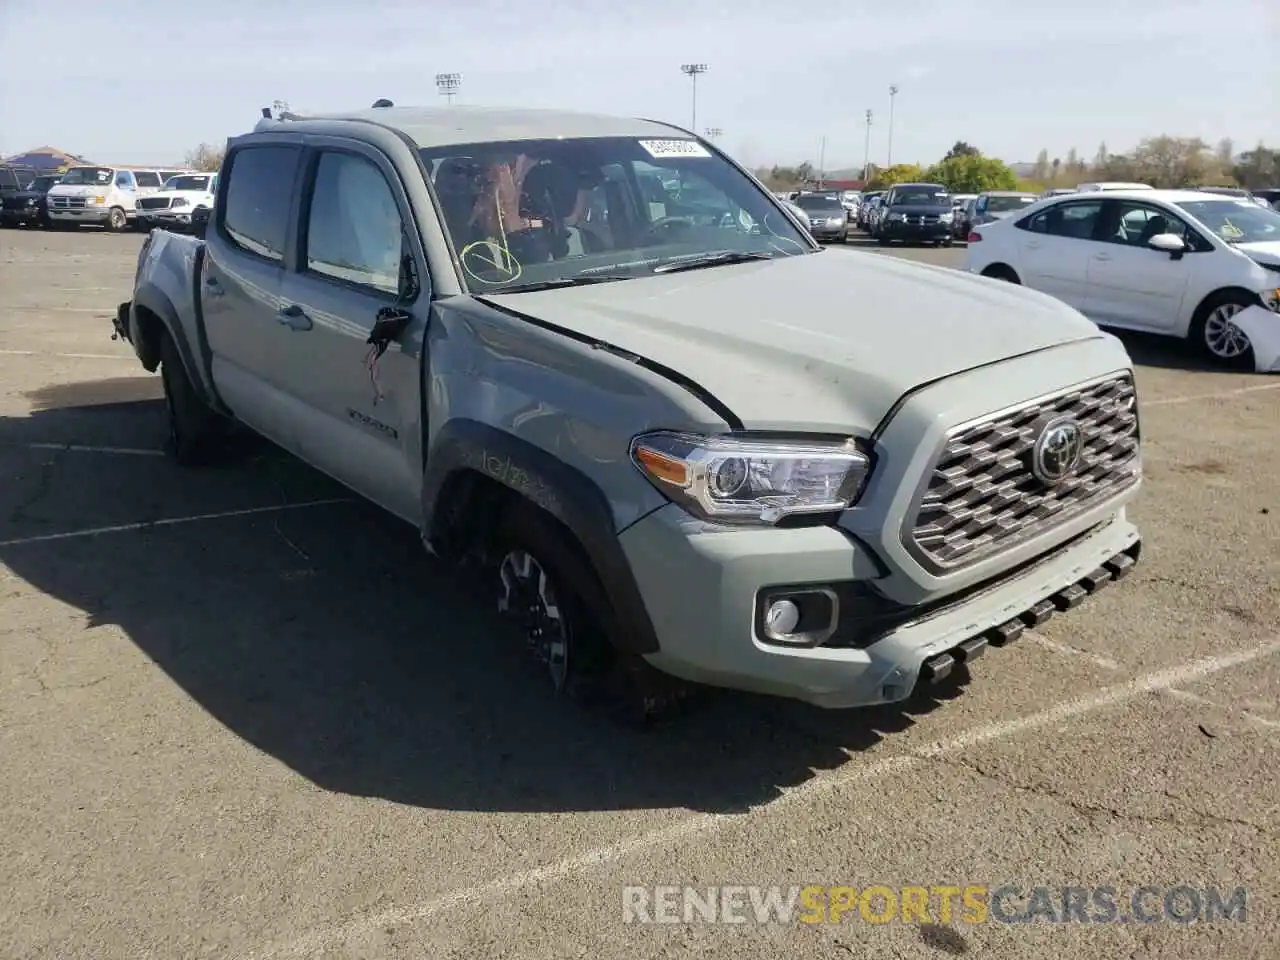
242	715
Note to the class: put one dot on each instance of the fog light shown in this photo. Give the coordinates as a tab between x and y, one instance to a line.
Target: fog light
782	618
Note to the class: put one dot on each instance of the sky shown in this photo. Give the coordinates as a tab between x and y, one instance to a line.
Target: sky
146	81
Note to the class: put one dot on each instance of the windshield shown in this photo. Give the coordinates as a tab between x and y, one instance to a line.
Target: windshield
543	211
1005	204
924	196
87	176
1235	221
201	182
819	204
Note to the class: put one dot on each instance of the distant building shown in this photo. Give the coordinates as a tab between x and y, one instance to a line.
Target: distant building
45	159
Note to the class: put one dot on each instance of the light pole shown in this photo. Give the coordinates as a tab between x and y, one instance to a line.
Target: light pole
691	70
866	151
714	133
822	164
893	92
448	84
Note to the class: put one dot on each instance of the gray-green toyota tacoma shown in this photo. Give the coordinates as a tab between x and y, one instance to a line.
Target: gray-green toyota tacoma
597	356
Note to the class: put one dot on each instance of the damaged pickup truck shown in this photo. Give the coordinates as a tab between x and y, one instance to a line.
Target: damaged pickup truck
597	356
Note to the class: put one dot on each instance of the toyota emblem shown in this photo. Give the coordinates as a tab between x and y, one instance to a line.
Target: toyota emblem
1057	450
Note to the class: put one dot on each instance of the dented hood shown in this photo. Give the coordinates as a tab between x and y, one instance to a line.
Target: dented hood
820	342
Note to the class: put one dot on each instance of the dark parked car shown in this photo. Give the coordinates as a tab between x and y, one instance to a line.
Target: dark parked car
915	213
28	205
15	179
828	220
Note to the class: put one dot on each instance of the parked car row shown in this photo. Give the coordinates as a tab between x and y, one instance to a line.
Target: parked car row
113	197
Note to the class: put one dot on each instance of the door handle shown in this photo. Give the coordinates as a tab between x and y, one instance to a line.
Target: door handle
1033	245
294	317
1102	256
212	287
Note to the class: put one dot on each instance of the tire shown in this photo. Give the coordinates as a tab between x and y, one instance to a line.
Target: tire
117	220
1214	336
556	602
194	430
1000	272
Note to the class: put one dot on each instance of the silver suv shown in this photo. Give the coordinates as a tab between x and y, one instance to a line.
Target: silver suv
593	355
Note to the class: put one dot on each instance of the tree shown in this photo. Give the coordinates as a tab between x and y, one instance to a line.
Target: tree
1041	171
1101	157
1226	154
1166	161
1057	164
898	173
205	157
1259	167
961	149
973	173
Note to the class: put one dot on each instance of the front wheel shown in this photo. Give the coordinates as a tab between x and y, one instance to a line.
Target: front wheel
1215	336
116	220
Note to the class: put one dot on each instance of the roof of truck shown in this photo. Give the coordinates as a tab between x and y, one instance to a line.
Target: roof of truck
445	126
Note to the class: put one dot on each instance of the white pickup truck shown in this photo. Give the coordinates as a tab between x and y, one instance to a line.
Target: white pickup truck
174	204
653	417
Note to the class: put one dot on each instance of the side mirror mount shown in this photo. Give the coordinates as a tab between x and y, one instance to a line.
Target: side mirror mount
1169	243
200	222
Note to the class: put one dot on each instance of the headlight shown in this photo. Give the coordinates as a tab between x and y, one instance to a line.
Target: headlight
32	202
761	481
1271	299
946	218
178	202
834	221
897	216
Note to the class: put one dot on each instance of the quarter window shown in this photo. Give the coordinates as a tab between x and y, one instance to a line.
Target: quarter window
354	230
147	178
255	214
1076	221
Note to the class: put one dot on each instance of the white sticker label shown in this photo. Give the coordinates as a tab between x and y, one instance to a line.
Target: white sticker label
665	149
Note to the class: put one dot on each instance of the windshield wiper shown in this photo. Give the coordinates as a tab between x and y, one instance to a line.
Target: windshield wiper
561	282
712	260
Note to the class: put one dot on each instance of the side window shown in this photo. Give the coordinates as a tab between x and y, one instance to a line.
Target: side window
147	178
124	180
1073	220
354	230
255	214
1137	223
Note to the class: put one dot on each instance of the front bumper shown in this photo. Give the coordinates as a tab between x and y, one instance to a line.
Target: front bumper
162	217
880	651
899	230
21	215
83	214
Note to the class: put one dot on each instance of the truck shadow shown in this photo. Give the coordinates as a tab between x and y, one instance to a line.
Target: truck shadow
327	638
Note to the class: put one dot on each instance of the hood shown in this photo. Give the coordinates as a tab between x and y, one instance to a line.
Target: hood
24	195
783	346
917	208
185	194
1262	251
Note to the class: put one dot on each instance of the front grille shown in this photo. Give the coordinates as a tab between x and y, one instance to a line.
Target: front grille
154	203
982	496
66	203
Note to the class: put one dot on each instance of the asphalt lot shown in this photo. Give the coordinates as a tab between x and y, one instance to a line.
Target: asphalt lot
243	720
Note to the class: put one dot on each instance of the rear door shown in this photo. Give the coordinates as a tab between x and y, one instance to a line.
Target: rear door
1054	248
240	285
359	256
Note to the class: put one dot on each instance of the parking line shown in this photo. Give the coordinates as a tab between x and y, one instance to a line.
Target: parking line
313	944
72	356
1069	651
168	522
79	448
1169	401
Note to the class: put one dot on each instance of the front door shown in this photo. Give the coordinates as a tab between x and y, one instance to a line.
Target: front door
1130	284
357	259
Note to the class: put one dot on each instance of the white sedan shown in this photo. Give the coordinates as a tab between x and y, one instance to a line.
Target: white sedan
1174	262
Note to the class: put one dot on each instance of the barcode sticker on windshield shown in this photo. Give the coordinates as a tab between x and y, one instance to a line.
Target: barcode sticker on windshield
665	149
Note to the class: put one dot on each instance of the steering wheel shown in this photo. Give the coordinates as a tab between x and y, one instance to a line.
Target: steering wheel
663	225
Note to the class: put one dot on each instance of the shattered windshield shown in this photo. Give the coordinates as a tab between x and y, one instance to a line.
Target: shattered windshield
532	212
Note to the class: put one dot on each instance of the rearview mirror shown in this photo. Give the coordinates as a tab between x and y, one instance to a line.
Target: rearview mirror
1168	243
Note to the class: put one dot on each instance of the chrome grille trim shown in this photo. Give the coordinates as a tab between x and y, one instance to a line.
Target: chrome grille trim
67	203
979	498
154	203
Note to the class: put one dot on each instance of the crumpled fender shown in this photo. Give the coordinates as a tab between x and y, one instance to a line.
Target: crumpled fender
1262	327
